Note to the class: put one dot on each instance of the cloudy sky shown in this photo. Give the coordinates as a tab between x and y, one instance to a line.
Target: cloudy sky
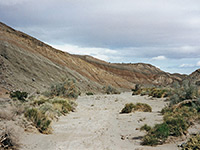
165	33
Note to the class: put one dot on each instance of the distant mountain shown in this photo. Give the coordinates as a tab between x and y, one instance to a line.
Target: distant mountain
29	64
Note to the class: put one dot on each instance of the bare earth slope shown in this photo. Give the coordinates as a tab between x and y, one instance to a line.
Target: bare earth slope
97	125
29	64
137	73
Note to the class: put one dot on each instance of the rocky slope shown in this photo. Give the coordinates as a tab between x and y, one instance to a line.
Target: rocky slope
29	64
194	77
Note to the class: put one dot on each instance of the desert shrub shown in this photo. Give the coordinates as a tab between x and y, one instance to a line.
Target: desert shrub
54	107
178	126
154	92
142	107
41	100
136	107
193	143
63	106
137	90
150	140
177	120
49	110
110	90
145	127
39	120
157	135
8	140
89	93
179	115
66	89
21	96
185	92
128	108
158	92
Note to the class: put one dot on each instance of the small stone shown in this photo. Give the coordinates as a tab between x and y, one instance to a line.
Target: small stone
122	137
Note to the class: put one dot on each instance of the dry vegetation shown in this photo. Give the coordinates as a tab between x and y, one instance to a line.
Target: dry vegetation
56	102
8	141
110	90
192	144
128	108
38	111
181	113
154	92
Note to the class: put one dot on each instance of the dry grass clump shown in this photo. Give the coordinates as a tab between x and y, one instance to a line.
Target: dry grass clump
142	107
39	120
8	141
63	105
192	144
154	92
46	109
59	104
136	107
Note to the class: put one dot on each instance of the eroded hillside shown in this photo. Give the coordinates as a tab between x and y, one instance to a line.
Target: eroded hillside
29	64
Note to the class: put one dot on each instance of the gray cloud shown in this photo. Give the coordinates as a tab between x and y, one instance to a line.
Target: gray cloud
136	29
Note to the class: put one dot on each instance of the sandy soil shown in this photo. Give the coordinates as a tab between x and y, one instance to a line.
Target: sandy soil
97	125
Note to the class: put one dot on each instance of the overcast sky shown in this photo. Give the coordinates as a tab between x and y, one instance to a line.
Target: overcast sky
165	33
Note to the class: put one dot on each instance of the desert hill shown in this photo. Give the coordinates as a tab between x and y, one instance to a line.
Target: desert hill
29	64
194	77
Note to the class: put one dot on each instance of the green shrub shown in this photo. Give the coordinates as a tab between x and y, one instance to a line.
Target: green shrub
39	120
193	143
177	126
185	92
89	93
178	116
145	127
179	120
157	135
65	89
176	122
21	96
136	107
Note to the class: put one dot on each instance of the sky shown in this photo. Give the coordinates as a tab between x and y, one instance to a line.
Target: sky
164	33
